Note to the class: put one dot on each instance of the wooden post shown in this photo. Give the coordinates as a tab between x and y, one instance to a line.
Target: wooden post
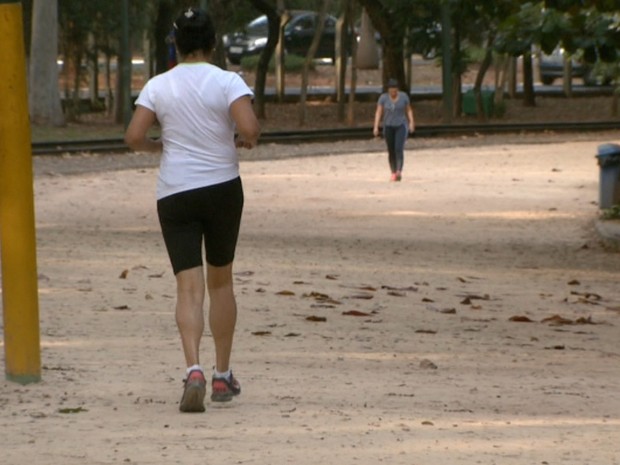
20	306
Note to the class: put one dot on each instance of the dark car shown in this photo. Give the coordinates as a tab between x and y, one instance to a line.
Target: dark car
298	35
551	67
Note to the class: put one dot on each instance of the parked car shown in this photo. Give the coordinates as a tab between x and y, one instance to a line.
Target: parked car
551	67
298	35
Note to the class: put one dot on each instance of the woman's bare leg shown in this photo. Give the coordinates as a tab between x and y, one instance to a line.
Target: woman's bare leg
190	312
222	313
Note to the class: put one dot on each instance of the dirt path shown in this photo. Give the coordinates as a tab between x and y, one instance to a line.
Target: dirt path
414	358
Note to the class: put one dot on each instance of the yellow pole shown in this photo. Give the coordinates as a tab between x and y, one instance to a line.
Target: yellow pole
20	306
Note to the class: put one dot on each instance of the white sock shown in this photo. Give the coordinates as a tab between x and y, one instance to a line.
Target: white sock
193	368
225	374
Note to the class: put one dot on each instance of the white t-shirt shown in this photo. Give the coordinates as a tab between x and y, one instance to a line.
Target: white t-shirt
192	104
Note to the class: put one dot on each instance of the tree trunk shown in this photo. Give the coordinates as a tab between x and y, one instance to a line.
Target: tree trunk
367	53
44	97
318	32
280	72
273	19
529	99
342	51
163	28
218	11
352	86
392	39
484	66
567	82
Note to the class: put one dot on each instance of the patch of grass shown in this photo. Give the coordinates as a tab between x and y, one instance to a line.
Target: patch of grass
612	213
76	131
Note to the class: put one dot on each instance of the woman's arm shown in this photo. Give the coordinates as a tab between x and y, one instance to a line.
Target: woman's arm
135	135
248	128
378	115
410	118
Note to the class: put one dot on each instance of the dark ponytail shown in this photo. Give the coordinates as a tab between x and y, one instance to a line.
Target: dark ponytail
194	31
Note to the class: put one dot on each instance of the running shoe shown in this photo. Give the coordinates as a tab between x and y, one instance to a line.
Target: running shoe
393	177
195	389
224	389
399	176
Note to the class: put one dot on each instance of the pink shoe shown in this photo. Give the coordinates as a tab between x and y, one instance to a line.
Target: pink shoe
393	177
224	389
195	388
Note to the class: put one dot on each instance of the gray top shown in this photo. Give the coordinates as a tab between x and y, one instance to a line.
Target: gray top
394	113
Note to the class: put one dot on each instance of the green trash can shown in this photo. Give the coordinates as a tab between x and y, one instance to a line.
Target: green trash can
609	178
469	102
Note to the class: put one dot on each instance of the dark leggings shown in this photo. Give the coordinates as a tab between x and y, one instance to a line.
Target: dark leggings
395	137
211	214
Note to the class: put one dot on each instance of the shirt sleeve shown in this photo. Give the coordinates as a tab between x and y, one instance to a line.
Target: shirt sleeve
145	98
237	88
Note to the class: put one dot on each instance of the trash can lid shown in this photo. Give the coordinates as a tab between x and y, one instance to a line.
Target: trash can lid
608	150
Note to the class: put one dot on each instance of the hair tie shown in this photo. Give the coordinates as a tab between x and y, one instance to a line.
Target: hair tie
189	13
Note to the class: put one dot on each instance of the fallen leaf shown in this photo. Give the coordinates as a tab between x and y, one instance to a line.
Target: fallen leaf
287	293
316	318
558	347
292	335
367	288
426	299
557	320
157	275
426	364
319	297
405	289
574	282
124	274
590	297
585	321
72	410
520	319
121	307
355	313
426	331
361	296
333	277
396	294
261	333
428	423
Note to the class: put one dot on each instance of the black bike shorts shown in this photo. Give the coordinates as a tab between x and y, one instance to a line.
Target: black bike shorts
211	214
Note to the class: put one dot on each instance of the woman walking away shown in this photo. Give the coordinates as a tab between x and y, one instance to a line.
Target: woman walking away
395	109
199	192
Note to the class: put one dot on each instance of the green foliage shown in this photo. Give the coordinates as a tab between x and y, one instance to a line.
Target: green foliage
612	213
292	63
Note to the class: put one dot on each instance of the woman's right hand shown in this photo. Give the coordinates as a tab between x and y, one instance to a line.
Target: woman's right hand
375	132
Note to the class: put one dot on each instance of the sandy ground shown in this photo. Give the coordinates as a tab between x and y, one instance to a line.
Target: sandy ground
376	319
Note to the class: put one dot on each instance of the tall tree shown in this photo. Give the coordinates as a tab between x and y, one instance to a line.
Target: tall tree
273	22
389	19
314	45
44	98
